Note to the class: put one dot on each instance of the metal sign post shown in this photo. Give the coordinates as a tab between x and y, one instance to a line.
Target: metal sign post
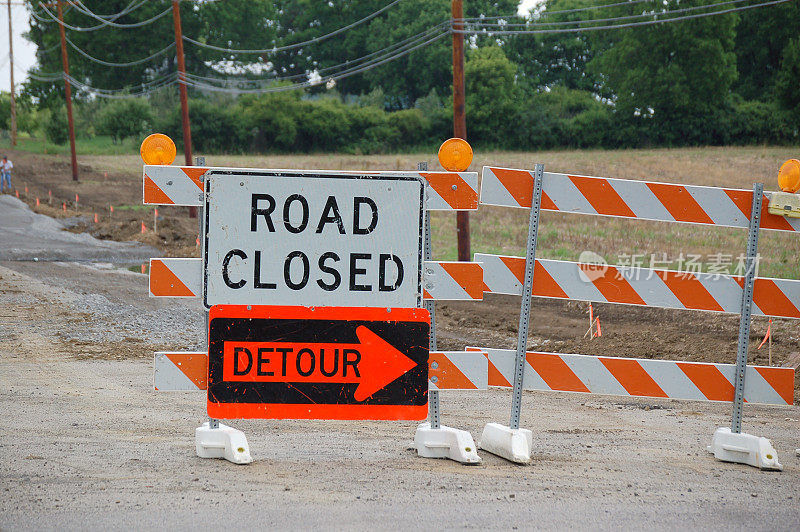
747	306
430	306
511	442
731	444
527	293
432	439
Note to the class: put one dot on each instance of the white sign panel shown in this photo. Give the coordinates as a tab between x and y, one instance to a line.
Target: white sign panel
313	239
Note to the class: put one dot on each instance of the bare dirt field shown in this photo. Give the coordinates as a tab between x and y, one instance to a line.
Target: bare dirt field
85	442
557	326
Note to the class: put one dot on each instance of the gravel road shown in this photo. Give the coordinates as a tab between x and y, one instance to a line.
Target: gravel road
85	442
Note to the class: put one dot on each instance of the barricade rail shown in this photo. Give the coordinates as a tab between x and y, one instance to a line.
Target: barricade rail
531	277
448	370
625	198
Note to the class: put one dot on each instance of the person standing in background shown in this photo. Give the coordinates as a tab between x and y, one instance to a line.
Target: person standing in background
5	174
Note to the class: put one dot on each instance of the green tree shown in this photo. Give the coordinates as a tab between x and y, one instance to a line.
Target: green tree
787	82
55	128
761	39
122	119
232	24
490	98
5	110
547	60
674	75
403	80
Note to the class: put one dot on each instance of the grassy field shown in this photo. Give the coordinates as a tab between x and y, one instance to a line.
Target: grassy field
99	145
562	236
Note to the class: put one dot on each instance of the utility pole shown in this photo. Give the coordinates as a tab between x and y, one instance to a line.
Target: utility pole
67	91
459	116
187	131
13	99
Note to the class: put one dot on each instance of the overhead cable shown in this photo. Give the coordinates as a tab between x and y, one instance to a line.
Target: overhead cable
144	89
295	45
103	24
112	64
398	46
322	80
596	20
547	13
127	9
484	31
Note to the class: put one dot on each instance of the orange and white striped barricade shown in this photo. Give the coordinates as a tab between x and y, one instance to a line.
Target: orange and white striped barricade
442	280
448	370
439	280
746	295
637	377
432	439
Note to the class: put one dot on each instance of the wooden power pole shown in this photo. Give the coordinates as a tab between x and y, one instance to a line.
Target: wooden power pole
459	116
13	98
67	91
187	131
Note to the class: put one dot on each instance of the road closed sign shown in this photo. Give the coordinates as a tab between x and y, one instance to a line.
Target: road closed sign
282	362
313	239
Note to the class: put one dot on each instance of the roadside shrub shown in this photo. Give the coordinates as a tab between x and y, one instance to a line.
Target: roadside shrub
760	122
55	128
324	125
122	119
216	128
372	132
413	126
273	119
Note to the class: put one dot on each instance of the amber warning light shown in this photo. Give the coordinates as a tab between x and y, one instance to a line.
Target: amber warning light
455	155
158	149
789	176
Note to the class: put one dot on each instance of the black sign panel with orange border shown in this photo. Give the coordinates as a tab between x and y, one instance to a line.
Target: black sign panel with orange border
281	362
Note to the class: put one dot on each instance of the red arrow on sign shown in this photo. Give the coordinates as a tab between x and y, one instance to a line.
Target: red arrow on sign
373	363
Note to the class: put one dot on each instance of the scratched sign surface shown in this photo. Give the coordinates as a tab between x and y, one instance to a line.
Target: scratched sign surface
280	362
288	238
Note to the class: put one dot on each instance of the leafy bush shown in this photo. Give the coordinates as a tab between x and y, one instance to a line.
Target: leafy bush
121	119
273	119
215	127
324	125
55	128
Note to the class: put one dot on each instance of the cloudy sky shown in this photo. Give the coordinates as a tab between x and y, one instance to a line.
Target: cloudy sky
25	52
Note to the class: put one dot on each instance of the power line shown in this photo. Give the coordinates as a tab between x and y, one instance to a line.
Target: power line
296	45
612	19
562	11
398	46
127	9
81	8
127	92
619	26
102	25
112	64
324	79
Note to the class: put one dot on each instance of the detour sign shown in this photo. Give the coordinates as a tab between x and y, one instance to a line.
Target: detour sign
318	363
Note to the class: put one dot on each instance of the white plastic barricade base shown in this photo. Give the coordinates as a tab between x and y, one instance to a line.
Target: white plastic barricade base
744	449
512	444
223	442
446	442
